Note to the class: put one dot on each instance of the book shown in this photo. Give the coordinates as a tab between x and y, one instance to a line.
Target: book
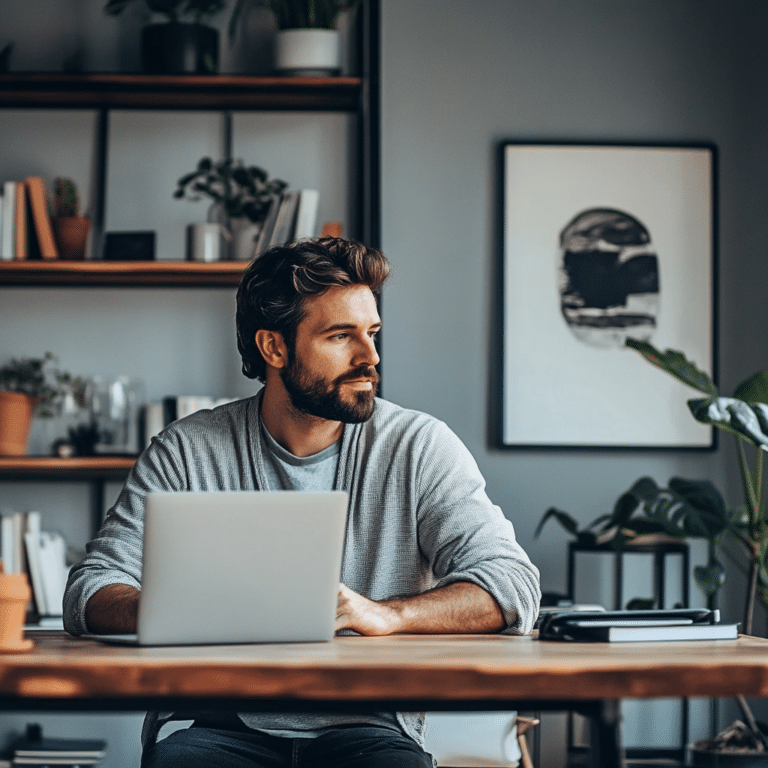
45	748
40	224
268	227
32	545
286	218
53	568
306	213
20	246
636	626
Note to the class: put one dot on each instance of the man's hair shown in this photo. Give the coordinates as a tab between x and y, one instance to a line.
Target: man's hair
273	289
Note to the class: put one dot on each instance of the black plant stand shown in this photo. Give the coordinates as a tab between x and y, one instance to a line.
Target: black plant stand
660	552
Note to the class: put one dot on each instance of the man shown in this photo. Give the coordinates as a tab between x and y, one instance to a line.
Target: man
425	550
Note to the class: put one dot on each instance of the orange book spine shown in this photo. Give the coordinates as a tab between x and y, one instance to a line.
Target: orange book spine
41	218
20	236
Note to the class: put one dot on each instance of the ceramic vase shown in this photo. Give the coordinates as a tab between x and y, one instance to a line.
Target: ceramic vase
308	52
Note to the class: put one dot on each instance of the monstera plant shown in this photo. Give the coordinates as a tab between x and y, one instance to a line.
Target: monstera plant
744	415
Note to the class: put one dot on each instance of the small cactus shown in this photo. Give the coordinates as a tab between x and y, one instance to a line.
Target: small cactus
65	202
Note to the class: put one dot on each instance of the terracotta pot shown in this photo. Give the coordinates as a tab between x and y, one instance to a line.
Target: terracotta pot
14	596
16	411
71	236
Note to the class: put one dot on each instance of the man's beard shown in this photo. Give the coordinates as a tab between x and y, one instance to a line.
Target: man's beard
319	397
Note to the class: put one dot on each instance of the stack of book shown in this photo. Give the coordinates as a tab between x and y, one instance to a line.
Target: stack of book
25	548
292	215
34	750
26	231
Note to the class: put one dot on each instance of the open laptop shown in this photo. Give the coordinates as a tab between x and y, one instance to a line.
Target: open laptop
239	567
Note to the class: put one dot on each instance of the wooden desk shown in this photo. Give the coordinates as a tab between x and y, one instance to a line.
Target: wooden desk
406	672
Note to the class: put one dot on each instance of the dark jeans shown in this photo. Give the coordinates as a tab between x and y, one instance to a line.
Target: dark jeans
344	747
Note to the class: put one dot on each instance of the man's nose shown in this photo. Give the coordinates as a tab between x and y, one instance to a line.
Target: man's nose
367	354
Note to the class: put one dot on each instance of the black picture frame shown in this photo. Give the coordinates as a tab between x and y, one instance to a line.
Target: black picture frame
600	241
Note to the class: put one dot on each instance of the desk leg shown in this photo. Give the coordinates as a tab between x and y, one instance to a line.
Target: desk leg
605	744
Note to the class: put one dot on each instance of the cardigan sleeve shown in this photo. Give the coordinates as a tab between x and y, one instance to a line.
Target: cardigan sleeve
464	535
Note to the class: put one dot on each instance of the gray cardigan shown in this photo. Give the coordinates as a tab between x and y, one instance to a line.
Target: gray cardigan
418	516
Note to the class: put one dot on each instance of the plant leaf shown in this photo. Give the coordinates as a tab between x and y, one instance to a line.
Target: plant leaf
748	422
754	389
566	521
677	365
709	578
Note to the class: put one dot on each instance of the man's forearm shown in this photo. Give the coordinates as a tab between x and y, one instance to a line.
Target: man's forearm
460	607
114	609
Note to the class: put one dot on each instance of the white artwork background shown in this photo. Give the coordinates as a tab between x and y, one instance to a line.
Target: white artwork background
558	390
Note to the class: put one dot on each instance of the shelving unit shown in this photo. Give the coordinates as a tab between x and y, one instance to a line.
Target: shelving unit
357	96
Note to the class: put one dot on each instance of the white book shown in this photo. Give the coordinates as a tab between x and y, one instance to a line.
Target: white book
286	218
6	542
268	227
8	243
32	542
54	571
186	405
658	633
306	213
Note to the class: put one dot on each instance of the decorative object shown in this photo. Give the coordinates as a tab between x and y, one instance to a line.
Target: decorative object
31	386
69	227
15	593
602	242
129	246
744	415
307	43
206	242
115	404
240	196
177	47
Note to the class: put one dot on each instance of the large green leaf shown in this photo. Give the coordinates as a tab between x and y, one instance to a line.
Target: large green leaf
709	578
748	422
754	389
676	364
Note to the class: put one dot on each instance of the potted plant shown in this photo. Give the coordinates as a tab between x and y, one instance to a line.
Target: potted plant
31	386
183	44
241	196
646	513
307	41
744	415
70	228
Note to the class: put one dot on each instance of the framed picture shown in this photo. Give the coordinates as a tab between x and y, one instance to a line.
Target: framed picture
602	242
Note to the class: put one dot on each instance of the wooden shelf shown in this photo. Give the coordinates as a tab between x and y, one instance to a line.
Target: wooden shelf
126	273
129	91
54	468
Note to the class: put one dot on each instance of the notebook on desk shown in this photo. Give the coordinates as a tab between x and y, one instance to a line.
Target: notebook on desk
239	567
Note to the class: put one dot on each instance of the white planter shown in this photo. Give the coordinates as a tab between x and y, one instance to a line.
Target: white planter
308	52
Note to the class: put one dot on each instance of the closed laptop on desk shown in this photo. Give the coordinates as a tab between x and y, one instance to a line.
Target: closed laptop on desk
241	567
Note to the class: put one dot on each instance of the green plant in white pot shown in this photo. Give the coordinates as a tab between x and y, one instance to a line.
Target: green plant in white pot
183	43
31	386
307	41
240	195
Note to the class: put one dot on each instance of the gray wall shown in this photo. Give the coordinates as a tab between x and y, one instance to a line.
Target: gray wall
458	78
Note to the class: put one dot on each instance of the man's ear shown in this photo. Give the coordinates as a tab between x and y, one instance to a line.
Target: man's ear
272	347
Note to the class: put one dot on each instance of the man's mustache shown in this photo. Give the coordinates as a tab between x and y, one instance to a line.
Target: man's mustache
363	372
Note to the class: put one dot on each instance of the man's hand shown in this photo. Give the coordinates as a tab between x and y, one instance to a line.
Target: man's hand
456	608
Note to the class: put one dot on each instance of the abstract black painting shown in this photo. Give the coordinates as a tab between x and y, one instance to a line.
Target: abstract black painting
603	242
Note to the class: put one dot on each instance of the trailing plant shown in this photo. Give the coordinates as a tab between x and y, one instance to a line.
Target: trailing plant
236	189
38	378
174	10
299	14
